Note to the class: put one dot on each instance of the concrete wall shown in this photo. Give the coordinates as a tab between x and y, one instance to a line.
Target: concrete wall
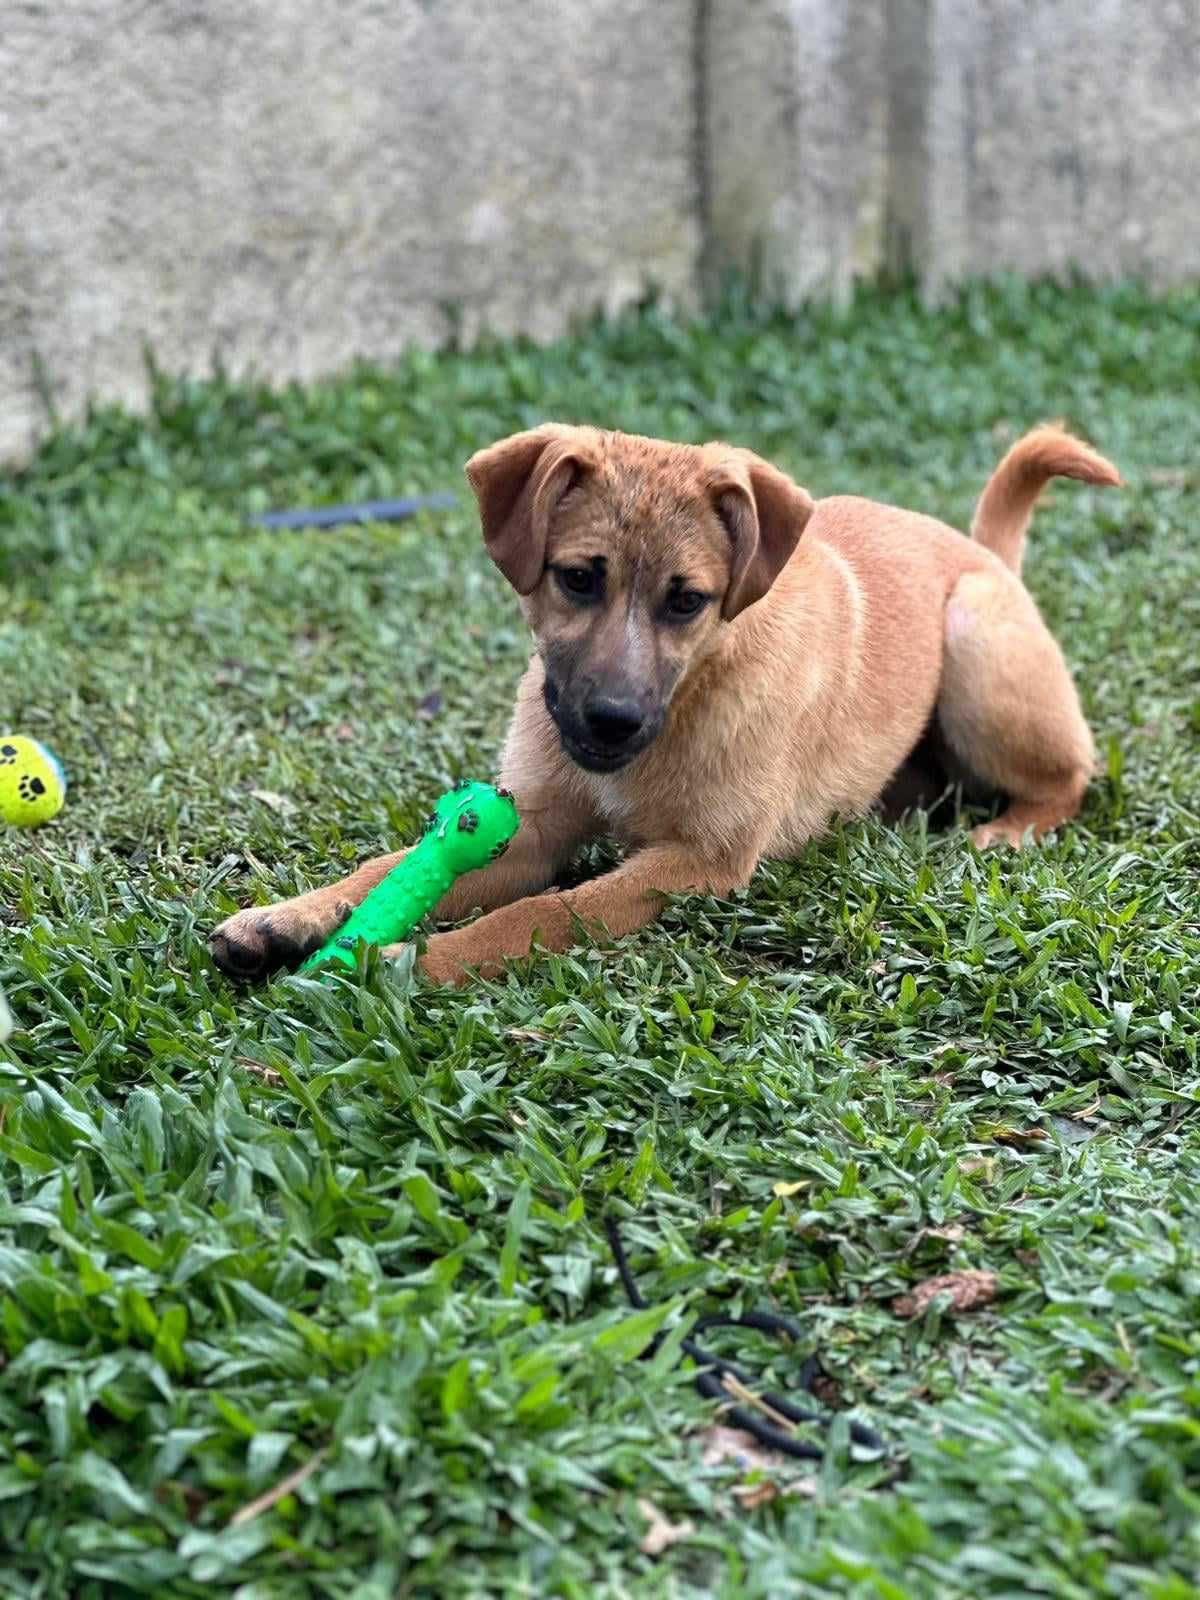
955	137
286	184
796	122
1042	135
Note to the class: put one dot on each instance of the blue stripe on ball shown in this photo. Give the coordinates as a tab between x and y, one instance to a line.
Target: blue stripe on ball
52	762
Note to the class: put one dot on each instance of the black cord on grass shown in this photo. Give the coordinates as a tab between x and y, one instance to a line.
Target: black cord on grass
367	511
713	1370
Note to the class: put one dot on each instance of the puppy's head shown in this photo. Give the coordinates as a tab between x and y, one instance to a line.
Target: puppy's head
631	557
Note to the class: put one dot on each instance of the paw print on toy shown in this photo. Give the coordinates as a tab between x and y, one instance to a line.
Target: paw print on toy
8	754
470	826
30	788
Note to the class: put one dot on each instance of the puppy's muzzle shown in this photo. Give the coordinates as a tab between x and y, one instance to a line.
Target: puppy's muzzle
604	731
613	725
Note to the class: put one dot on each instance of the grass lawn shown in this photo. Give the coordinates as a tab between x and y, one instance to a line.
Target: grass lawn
348	1242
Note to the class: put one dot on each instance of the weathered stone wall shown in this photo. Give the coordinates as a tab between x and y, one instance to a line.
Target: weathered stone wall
796	122
954	138
1045	135
285	185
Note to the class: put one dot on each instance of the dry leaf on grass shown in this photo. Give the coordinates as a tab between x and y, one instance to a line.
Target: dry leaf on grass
951	1232
827	1390
1019	1135
743	1450
662	1532
267	1074
977	1164
967	1290
752	1495
275	802
784	1189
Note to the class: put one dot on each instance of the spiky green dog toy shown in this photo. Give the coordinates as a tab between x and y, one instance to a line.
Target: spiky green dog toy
470	826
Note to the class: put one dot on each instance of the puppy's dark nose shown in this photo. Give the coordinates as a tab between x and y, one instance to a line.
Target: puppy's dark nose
613	723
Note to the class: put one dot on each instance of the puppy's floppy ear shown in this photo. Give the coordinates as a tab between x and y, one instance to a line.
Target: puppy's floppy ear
518	482
764	514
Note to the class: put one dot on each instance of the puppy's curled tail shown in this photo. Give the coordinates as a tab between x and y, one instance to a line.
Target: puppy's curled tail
1006	504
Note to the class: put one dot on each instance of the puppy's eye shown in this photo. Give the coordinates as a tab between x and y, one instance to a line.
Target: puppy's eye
685	602
581	583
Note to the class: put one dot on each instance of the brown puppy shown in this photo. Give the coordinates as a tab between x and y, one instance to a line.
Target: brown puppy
722	667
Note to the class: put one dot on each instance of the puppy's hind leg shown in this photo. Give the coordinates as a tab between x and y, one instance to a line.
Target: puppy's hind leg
1008	708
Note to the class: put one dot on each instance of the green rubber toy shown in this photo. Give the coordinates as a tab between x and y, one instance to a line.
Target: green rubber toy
470	826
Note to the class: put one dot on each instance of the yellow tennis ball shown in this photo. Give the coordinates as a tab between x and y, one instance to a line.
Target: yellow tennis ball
32	785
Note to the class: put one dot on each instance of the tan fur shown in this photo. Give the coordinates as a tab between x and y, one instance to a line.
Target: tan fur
832	634
1006	505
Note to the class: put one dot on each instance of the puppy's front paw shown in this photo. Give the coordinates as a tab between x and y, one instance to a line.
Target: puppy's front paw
255	942
997	832
438	964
